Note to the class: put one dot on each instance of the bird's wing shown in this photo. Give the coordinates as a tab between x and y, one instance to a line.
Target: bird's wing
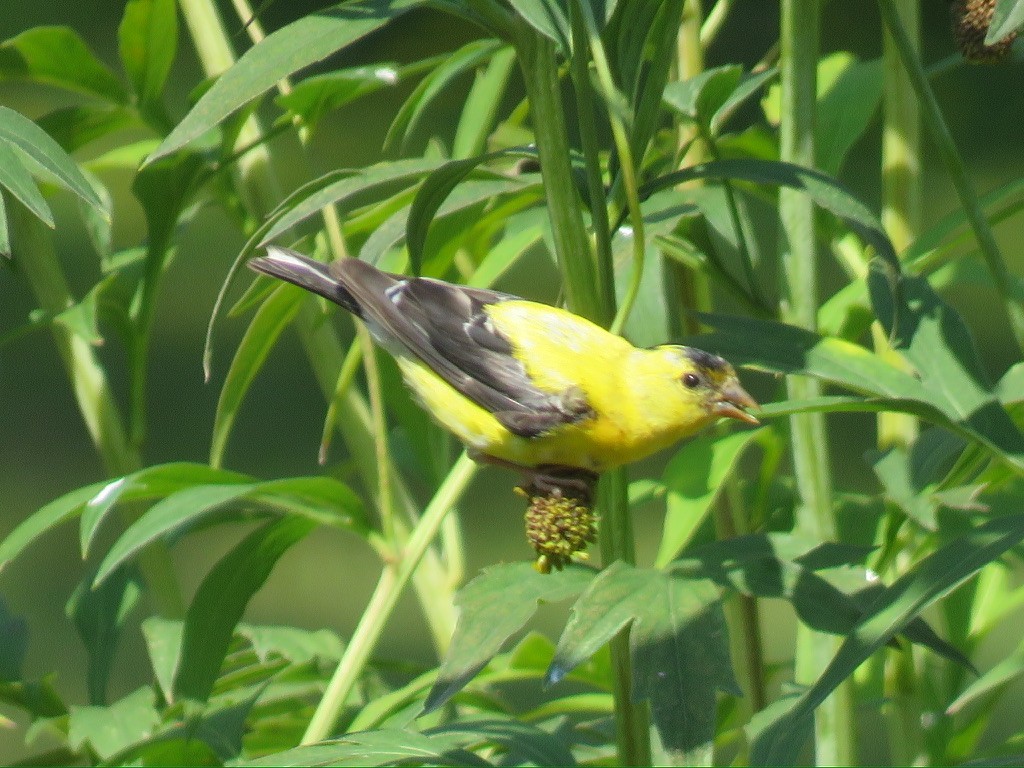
447	327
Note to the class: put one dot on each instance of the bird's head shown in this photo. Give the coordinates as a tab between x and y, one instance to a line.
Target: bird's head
710	382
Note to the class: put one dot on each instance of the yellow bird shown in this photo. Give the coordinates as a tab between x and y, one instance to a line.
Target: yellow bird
521	383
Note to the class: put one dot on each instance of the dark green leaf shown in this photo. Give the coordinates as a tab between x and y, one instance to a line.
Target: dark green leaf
432	194
24	135
148	40
98	616
492	607
221	599
14	643
702	95
894	608
269	322
112	729
59	56
481	106
678	643
310	39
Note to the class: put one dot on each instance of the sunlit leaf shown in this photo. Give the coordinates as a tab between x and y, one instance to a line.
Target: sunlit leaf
692	480
306	41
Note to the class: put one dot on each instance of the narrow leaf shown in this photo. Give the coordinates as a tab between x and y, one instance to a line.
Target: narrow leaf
59	56
310	39
16	179
270	320
29	138
58	511
220	602
148	40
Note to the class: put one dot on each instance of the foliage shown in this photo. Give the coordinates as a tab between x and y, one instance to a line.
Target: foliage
645	179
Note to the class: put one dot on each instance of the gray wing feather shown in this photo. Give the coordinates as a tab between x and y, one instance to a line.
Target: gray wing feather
447	327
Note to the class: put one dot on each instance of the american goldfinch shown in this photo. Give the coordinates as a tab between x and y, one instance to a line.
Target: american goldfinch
522	383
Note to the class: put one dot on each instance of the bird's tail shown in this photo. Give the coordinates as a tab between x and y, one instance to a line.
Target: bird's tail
293	267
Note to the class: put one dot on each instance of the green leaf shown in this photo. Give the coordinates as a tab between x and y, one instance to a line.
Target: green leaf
994	680
847	103
58	511
529	744
1007	18
14	641
678	643
298	646
82	318
310	39
148	40
692	480
16	179
345	189
432	194
21	133
169	515
702	95
382	747
824	190
98	616
894	608
220	602
322	500
476	121
270	320
547	17
163	642
785	349
458	62
315	96
112	729
59	56
492	607
504	255
149	483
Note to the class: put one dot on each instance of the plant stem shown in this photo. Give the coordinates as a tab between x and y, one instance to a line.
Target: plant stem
38	261
572	246
385	597
798	72
932	116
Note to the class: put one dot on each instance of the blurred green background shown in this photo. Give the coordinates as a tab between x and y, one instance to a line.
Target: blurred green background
325	582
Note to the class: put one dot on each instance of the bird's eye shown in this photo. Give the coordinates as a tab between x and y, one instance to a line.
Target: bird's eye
691	380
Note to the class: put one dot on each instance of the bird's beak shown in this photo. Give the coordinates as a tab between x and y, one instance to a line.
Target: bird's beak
733	399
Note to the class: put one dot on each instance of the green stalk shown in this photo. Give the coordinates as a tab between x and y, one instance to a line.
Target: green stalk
572	245
901	217
585	296
385	597
943	139
38	261
798	71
